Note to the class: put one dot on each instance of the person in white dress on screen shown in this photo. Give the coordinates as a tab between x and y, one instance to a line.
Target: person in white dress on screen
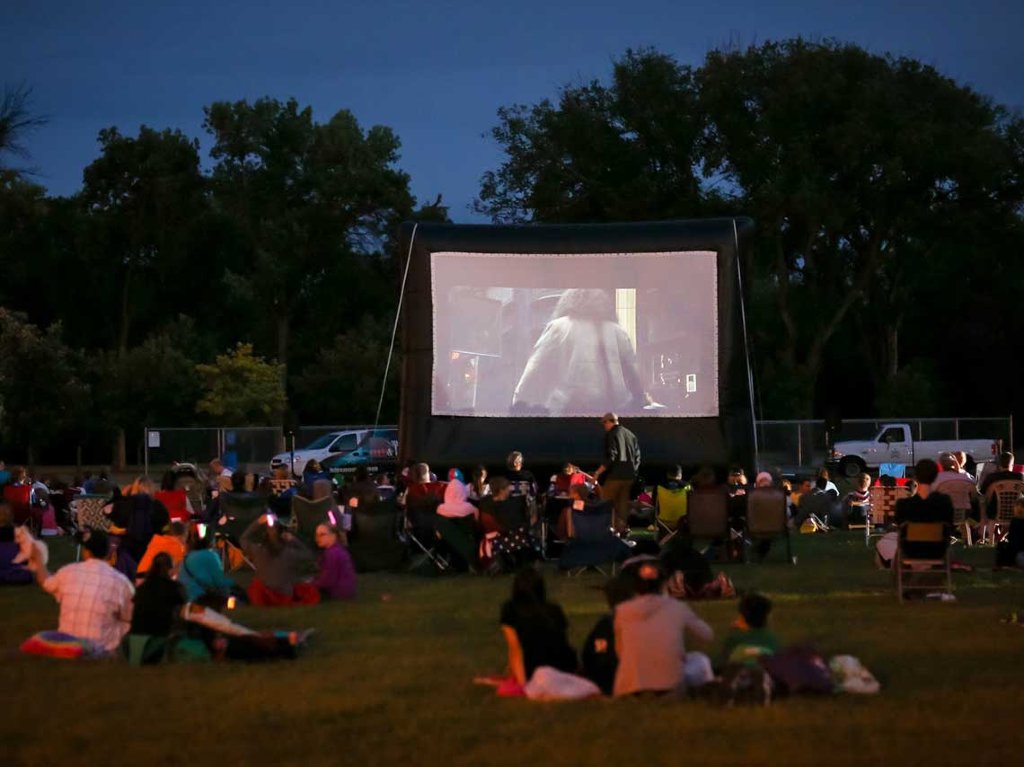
582	363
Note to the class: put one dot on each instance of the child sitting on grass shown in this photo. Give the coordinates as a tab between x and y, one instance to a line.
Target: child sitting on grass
749	638
598	654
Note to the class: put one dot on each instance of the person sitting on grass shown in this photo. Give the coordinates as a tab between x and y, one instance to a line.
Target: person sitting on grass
283	565
535	629
158	599
649	637
857	503
598	655
336	575
171	540
95	599
202	570
749	639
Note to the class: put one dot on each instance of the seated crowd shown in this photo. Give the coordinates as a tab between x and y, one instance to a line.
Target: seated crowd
155	564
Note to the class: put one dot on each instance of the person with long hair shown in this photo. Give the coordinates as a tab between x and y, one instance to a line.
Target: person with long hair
535	629
158	600
284	566
478	485
336	575
201	570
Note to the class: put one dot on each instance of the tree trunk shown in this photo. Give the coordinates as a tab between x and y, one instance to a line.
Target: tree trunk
892	362
120	457
122	330
282	344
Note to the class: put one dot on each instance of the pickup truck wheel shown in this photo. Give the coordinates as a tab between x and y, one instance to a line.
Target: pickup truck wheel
851	467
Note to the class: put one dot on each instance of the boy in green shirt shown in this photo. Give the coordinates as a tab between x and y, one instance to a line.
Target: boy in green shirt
749	638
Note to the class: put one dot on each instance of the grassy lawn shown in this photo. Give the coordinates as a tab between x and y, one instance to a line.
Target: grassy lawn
388	680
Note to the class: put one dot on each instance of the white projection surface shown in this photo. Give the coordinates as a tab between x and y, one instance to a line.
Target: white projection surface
575	335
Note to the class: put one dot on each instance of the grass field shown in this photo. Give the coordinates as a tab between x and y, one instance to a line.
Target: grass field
388	680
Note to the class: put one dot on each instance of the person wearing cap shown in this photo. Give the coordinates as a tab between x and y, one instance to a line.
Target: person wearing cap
95	599
620	468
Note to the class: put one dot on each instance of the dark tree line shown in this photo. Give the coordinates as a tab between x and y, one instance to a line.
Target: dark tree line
887	200
885	274
120	301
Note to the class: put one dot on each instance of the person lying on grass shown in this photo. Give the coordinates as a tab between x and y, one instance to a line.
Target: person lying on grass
649	630
283	565
220	638
535	629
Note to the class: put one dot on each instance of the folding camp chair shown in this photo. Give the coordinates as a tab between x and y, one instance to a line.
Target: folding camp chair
917	572
707	516
374	541
307	514
19	497
278	486
670	505
238	511
1003	495
865	509
87	514
421	532
511	545
194	491
964	495
593	542
766	517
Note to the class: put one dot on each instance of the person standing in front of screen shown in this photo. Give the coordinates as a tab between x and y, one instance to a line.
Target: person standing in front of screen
620	468
582	363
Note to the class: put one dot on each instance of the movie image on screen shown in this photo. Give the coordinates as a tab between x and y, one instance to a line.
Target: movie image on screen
575	335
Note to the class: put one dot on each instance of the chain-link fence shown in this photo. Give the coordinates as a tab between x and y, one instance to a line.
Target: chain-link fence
248	448
803	444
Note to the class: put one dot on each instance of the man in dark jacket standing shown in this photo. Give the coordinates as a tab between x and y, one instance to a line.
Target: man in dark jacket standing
620	468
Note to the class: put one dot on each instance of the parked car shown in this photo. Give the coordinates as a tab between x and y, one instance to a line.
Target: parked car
334	443
378	452
895	443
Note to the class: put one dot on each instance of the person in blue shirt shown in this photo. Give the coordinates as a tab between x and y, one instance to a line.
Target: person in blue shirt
201	570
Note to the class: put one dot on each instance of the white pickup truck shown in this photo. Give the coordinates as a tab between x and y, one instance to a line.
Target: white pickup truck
894	443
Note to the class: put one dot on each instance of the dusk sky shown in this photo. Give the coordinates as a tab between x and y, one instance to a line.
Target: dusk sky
434	72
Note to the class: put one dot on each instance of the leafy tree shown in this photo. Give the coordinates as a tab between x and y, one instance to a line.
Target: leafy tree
343	383
241	389
623	152
149	384
142	195
859	170
23	214
40	391
315	203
